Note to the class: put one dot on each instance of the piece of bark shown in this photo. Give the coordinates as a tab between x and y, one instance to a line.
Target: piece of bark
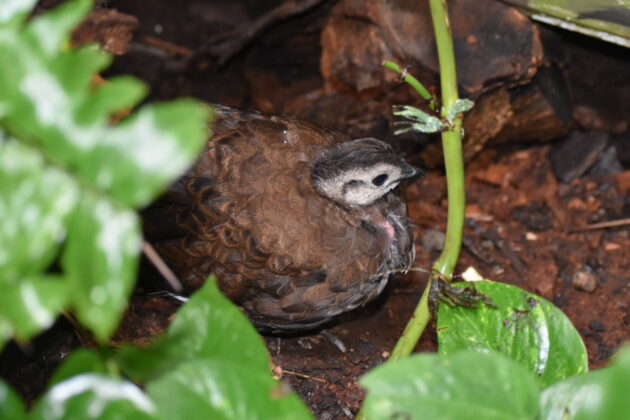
607	163
572	157
494	44
498	53
344	112
599	80
541	109
108	27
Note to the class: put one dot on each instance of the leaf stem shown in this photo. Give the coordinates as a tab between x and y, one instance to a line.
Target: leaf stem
408	78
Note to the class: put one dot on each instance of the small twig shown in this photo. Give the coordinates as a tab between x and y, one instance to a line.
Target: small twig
602	225
474	251
167	46
336	341
501	243
302	375
405	270
161	266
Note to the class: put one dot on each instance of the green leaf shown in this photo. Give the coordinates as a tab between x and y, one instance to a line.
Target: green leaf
166	138
463	385
94	396
14	10
100	262
35	202
78	362
524	327
67	175
460	106
11	407
213	359
223	390
209	326
606	20
418	120
601	394
32	305
50	30
117	93
47	99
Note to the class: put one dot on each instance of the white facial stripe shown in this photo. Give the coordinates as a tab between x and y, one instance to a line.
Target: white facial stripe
342	188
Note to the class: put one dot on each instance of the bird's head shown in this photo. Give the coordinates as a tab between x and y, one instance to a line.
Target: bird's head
359	172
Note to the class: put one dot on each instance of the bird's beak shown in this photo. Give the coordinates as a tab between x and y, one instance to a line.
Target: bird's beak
411	172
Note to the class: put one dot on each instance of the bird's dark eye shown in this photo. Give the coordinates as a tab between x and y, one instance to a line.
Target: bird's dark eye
379	180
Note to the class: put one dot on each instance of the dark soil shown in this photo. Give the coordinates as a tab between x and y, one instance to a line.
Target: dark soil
519	230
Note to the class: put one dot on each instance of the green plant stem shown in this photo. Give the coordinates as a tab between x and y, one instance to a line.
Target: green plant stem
451	142
454	164
411	80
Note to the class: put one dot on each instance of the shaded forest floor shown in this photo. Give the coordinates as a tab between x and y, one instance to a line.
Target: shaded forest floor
521	221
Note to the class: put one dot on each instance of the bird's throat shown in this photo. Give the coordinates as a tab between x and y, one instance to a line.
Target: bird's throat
387	227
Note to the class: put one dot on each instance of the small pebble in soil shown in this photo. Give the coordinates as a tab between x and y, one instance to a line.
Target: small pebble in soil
584	280
595	325
611	246
535	216
531	236
560	300
432	240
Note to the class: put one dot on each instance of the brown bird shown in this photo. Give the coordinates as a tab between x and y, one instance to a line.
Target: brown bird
298	222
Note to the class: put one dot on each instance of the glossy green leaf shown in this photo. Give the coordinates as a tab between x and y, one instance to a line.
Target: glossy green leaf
46	97
166	139
32	305
78	362
67	172
601	394
607	20
50	30
90	395
460	106
209	327
11	407
418	120
223	390
462	385
35	202
14	10
117	93
524	327
100	262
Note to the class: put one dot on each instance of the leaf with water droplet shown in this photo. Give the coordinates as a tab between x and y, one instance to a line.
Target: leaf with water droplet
524	327
100	261
418	120
460	106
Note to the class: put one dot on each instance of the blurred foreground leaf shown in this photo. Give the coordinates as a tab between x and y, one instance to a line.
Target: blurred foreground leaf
463	385
69	178
11	406
601	394
213	359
